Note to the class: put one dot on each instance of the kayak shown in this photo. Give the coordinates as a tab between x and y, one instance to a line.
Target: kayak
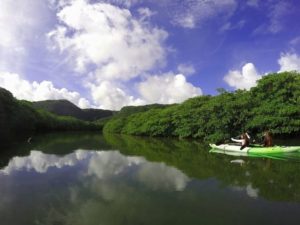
255	149
232	153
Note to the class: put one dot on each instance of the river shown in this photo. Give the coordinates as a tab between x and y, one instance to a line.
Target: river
92	179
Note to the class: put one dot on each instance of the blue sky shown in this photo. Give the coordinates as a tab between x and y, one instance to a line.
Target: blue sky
112	53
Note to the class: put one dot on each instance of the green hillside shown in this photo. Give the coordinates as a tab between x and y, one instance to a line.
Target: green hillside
66	108
18	119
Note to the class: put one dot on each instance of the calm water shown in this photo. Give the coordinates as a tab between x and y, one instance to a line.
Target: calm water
89	179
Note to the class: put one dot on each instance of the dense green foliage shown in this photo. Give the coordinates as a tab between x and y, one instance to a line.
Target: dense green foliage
273	104
66	108
119	120
19	118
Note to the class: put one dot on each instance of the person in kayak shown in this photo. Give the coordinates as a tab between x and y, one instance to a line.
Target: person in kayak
268	140
245	140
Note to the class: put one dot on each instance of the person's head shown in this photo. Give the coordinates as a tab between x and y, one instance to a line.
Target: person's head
244	136
268	140
267	133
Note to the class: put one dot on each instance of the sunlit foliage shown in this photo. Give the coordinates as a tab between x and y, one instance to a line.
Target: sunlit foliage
273	104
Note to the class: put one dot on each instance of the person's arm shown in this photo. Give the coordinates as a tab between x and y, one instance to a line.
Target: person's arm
248	136
237	140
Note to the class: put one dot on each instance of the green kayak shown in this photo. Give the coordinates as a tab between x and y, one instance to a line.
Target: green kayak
255	149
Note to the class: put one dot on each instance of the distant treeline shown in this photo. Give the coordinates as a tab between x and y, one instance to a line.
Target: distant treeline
21	119
66	108
273	104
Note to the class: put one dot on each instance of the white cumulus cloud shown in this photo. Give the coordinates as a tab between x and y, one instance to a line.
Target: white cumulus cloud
113	47
167	89
109	40
289	62
110	95
244	79
18	19
22	22
34	91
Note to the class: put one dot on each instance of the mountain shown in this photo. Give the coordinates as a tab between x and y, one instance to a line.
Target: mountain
66	108
19	119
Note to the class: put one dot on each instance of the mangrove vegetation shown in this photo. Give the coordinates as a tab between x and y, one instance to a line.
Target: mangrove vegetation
273	104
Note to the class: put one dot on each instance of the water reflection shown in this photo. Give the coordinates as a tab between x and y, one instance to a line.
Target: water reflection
159	176
40	162
143	181
250	191
104	165
86	179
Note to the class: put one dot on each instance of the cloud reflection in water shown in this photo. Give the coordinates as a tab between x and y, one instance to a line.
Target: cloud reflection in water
103	165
